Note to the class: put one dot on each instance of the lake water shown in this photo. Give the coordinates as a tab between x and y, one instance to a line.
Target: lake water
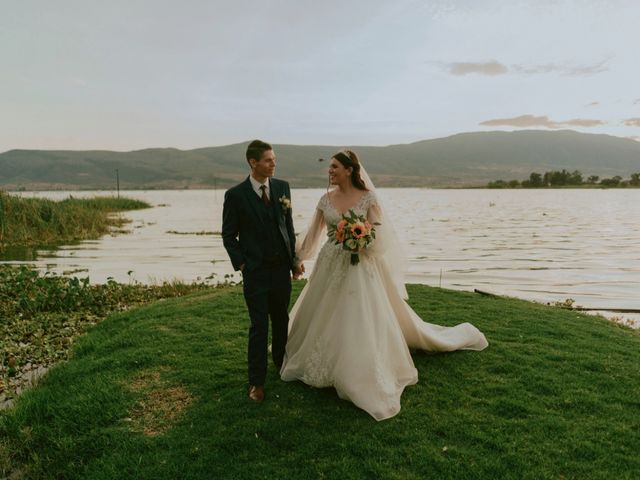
543	245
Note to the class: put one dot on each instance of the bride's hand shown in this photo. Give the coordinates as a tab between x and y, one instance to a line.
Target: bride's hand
298	271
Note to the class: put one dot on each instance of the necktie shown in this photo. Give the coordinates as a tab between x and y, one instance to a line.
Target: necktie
264	197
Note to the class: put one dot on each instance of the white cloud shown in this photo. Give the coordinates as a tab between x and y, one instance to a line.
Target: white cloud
77	82
481	68
494	67
200	73
524	121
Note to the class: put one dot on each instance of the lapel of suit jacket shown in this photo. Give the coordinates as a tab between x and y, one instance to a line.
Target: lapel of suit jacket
273	198
278	209
253	199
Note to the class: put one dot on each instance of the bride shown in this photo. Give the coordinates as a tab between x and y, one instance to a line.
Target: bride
351	328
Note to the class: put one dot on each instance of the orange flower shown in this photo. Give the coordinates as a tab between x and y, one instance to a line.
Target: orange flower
359	230
341	224
340	235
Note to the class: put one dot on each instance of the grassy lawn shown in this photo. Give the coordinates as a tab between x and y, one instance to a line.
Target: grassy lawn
41	315
160	392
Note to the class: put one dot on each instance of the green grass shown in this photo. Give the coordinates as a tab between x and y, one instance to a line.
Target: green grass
38	221
159	392
41	315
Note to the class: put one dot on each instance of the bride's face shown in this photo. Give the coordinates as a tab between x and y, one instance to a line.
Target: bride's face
338	174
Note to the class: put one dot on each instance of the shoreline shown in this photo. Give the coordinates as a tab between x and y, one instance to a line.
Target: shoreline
24	373
43	315
542	258
29	221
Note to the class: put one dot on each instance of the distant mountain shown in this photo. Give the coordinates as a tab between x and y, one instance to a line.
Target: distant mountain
462	159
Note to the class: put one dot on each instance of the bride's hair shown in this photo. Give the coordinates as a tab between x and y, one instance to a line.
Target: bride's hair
349	159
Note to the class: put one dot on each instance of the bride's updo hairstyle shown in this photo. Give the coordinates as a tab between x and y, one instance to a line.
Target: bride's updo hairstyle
349	159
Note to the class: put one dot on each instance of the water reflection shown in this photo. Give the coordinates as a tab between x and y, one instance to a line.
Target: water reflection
544	245
24	254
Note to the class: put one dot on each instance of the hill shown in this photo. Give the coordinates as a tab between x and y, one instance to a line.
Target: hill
462	159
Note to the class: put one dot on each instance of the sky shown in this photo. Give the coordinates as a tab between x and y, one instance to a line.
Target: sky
132	74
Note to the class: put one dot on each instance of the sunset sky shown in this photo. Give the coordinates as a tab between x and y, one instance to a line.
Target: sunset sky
131	74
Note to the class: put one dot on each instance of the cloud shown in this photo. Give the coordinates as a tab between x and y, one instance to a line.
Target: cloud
582	122
493	67
77	82
483	68
543	121
521	121
533	69
566	70
636	101
632	122
584	70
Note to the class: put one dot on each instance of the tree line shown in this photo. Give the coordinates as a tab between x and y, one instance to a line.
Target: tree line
562	178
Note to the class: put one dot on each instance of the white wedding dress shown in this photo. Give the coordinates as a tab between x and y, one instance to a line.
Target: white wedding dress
350	327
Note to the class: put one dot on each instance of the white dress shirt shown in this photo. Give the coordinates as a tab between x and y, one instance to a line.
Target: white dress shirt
256	187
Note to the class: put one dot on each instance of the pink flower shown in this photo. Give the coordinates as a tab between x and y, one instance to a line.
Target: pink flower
341	224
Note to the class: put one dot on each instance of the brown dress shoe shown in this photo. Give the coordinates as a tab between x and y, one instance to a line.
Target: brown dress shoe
256	393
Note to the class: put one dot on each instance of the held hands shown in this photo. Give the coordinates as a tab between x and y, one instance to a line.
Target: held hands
298	270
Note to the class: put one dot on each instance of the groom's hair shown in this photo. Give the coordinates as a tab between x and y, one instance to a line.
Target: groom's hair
256	149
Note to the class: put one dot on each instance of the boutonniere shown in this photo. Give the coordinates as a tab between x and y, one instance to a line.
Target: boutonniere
285	202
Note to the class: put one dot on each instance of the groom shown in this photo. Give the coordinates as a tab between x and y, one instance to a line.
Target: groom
257	232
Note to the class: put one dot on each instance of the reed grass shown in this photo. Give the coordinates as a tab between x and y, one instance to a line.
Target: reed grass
38	221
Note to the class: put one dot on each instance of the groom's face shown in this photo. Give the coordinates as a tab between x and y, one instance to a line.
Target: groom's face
266	166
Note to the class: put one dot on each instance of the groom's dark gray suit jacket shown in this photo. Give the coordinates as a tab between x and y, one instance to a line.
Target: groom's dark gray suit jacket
244	223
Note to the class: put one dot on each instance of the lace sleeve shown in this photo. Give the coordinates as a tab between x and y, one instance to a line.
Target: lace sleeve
374	215
308	247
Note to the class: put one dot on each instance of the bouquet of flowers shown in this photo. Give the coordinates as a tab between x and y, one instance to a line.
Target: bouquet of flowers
354	233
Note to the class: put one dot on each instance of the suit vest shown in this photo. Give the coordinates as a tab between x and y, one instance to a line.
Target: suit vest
273	246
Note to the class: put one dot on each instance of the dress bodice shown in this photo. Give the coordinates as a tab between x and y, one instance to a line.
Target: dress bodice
333	216
326	216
